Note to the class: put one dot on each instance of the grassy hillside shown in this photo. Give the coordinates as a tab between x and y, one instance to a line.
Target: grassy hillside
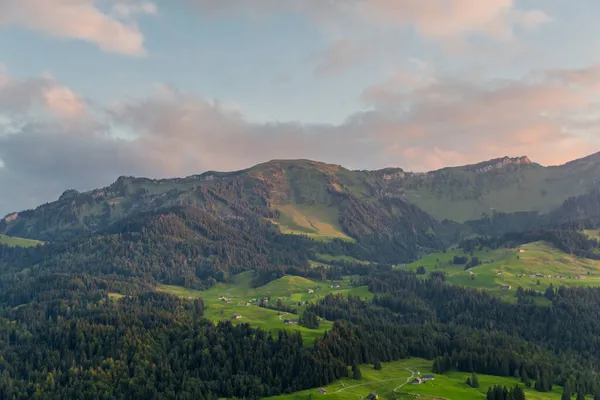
16	241
506	185
393	382
319	222
538	258
290	289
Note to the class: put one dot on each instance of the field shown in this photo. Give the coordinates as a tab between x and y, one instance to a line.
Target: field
292	290
329	257
393	382
318	222
20	242
540	262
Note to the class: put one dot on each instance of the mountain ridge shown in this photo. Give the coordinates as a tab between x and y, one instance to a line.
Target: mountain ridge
310	197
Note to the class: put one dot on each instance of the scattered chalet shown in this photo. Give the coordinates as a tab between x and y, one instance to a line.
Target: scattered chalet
322	391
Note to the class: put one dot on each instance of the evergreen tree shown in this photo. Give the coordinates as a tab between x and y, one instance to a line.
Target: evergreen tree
356	374
474	380
377	365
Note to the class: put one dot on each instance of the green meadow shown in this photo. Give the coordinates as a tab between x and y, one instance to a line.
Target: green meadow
316	221
393	381
18	242
540	265
243	300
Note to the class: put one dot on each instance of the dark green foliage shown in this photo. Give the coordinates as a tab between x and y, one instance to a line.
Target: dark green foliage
356	374
421	270
474	380
377	365
309	319
504	393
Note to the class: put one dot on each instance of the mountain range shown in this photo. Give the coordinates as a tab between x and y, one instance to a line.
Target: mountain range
324	201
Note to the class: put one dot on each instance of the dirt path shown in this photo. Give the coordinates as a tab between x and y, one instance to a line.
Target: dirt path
407	379
374	382
282	315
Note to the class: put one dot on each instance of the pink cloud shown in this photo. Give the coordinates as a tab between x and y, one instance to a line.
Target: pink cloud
23	96
63	101
76	19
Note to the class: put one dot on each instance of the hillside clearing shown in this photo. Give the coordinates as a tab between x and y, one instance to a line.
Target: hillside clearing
393	381
538	262
18	242
318	222
243	300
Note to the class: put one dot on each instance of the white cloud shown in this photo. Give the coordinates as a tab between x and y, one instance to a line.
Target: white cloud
79	19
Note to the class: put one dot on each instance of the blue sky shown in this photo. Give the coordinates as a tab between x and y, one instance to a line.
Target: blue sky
90	90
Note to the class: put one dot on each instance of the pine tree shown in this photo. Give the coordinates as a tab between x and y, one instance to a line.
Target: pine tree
377	365
566	395
474	380
580	396
356	374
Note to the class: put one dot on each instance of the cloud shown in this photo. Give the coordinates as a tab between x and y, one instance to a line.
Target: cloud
440	121
20	96
80	19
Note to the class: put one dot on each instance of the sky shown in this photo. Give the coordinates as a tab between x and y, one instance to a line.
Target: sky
94	89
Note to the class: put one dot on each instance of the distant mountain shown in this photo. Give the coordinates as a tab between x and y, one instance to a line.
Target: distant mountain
327	202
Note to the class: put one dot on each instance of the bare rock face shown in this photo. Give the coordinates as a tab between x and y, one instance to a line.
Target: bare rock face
499	163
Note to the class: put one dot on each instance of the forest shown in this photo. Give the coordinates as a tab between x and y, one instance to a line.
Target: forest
82	319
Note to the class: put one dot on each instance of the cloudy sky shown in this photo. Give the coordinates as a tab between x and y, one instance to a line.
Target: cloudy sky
94	89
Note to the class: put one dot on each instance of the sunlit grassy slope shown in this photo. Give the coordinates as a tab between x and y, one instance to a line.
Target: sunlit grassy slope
319	222
291	289
537	258
16	241
391	382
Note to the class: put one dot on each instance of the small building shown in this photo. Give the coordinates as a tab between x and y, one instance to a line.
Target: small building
520	250
471	273
428	378
336	285
417	381
236	316
322	390
500	272
248	304
291	322
506	287
310	291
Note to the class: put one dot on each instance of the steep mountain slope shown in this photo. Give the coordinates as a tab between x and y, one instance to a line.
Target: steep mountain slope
322	201
506	185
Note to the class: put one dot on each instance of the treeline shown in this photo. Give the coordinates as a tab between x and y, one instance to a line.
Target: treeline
568	240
